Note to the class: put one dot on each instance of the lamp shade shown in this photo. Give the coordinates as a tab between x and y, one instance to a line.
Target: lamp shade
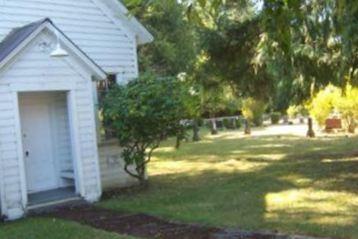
59	52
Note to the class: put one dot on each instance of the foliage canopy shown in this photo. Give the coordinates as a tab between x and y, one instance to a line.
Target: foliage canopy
279	51
174	49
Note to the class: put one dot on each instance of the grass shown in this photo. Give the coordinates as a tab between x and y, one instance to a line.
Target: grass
50	228
288	183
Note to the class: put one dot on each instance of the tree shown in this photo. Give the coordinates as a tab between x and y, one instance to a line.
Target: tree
318	38
174	49
316	42
282	52
230	47
324	103
297	32
193	108
142	114
253	111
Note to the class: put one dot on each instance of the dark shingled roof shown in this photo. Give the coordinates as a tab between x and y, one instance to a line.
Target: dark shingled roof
17	36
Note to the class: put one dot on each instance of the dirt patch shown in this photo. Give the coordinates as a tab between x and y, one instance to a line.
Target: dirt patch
140	225
128	191
145	226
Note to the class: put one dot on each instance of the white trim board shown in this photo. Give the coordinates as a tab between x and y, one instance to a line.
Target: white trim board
20	151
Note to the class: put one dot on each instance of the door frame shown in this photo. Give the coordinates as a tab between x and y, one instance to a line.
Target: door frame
74	137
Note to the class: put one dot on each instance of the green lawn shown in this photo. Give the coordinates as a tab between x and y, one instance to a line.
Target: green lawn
290	184
51	228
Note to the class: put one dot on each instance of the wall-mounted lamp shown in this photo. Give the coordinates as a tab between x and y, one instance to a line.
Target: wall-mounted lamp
58	52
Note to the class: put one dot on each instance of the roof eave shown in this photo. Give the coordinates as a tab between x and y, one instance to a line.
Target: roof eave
121	12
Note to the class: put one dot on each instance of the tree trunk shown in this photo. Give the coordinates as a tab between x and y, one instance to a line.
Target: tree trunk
178	142
140	174
285	119
196	129
214	129
233	122
310	132
247	127
143	183
352	128
143	180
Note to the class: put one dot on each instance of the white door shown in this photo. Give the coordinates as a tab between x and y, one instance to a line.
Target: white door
37	146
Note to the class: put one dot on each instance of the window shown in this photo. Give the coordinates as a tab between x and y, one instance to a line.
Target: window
104	130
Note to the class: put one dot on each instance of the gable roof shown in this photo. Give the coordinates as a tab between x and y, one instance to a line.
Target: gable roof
15	37
118	11
18	39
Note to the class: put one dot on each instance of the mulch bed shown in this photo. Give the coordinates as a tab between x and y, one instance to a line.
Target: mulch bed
145	226
139	225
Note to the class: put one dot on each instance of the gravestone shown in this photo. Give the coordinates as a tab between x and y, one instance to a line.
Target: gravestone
310	132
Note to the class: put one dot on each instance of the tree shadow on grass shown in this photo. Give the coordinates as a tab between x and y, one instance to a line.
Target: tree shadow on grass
298	147
294	199
311	188
324	160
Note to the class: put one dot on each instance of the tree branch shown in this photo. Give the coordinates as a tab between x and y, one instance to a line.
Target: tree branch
130	173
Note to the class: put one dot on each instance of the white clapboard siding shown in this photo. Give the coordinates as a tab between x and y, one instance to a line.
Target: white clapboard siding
110	45
53	73
112	167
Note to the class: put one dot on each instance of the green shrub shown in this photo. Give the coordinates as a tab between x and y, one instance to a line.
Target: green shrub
238	123
230	123
142	114
333	99
253	110
208	124
324	103
219	124
227	123
347	105
200	122
296	110
275	117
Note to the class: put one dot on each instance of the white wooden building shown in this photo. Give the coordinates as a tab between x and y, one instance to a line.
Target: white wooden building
52	53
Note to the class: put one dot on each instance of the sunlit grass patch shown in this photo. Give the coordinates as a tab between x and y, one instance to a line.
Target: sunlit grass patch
286	183
327	212
318	206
